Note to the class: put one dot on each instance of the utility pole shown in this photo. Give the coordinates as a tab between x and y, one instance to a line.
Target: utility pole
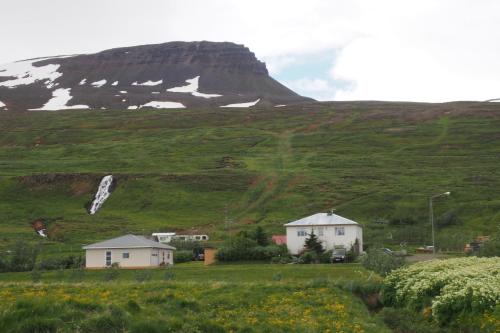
431	217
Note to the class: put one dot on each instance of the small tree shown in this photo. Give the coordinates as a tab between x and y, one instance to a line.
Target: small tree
260	236
312	243
23	257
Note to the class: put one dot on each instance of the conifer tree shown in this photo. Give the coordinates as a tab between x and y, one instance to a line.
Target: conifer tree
313	244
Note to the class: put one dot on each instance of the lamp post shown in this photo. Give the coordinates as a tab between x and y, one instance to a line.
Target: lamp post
431	216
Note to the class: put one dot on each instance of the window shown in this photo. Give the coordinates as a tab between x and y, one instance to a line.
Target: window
154	254
108	258
125	255
301	233
320	231
198	237
339	231
204	237
168	255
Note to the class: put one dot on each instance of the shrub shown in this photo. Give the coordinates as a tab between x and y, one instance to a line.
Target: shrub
490	248
143	275
404	320
260	236
23	257
67	262
132	306
309	257
381	262
447	219
111	274
168	274
325	257
77	275
36	275
448	287
182	256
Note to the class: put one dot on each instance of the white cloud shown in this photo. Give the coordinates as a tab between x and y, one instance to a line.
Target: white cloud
423	51
319	89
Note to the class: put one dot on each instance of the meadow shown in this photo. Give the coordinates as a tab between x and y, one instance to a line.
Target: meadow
190	298
219	171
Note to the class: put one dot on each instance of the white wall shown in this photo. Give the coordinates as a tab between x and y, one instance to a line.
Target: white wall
326	234
142	257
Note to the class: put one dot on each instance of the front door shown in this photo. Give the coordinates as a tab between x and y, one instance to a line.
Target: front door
108	258
154	257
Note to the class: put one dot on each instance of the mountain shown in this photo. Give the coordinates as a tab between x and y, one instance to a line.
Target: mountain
169	75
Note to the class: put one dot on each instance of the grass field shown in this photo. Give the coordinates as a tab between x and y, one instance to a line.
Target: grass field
190	298
179	169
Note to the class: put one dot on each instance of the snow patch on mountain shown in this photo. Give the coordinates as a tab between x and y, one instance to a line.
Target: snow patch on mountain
280	105
148	83
192	88
82	82
25	72
59	100
2	104
114	83
123	91
496	100
133	107
241	105
164	105
99	84
103	193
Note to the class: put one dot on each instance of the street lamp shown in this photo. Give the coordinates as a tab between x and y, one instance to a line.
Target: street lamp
432	219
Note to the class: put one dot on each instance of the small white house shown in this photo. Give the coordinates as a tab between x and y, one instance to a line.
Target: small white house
332	230
167	237
129	251
164	237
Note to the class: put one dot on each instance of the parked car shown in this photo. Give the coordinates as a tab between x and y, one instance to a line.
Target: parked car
338	255
388	251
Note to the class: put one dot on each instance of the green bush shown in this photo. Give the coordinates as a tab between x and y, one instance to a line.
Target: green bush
182	256
23	257
381	262
490	248
243	248
67	262
406	321
143	275
111	274
309	257
36	275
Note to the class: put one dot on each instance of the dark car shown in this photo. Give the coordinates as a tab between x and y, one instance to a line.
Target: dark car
339	255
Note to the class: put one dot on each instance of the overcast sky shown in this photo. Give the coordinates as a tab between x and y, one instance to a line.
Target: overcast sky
421	50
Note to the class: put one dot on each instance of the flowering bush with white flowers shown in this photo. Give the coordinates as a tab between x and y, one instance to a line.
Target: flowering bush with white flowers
450	287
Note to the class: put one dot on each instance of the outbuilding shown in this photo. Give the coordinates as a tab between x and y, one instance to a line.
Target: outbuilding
331	229
129	251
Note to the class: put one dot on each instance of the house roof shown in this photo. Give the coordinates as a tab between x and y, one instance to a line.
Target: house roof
322	219
128	241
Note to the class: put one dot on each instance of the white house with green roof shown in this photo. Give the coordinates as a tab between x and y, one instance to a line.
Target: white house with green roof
332	230
129	251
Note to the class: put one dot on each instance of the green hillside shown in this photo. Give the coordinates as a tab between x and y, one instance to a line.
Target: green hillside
376	163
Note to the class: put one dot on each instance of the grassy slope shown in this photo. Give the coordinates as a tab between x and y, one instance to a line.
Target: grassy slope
239	298
177	169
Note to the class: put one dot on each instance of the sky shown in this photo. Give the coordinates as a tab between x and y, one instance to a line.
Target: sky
400	50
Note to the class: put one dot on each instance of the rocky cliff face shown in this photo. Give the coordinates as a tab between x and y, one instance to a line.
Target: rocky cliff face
176	74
